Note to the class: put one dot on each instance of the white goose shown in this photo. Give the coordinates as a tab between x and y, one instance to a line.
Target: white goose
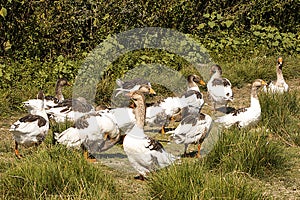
219	88
94	132
169	107
99	130
279	85
193	129
130	85
144	154
245	116
31	129
70	109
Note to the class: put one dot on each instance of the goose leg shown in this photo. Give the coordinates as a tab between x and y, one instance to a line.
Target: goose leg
199	148
185	149
162	130
87	156
17	151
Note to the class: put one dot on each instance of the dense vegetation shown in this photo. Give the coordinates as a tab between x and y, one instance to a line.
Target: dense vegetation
44	40
41	41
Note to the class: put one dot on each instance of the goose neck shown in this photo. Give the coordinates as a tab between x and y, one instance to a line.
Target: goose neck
140	112
279	74
58	92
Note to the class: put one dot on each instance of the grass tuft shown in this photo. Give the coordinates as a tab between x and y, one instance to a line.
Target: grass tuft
193	181
281	114
251	152
58	173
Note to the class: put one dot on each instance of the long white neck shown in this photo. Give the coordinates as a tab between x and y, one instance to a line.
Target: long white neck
195	88
41	112
280	78
254	99
217	74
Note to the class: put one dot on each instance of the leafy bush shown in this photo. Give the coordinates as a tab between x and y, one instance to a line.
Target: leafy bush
247	151
48	29
57	172
194	181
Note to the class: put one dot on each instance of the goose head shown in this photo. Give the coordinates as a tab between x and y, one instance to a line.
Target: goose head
61	82
216	69
192	79
280	62
258	83
146	89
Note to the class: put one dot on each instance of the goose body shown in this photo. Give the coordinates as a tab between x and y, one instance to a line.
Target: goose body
278	86
245	116
171	106
144	154
31	129
193	129
70	109
130	85
97	132
219	88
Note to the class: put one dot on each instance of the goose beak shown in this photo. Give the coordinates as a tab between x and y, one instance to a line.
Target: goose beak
152	91
201	82
264	83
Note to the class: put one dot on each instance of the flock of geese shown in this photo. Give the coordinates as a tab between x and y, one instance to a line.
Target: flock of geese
98	129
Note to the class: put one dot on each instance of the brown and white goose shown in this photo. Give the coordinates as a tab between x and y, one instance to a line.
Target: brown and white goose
144	153
193	129
279	85
59	97
245	116
192	98
219	88
31	129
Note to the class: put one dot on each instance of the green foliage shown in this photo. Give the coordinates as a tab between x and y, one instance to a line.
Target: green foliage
194	181
281	114
247	151
48	29
246	70
57	173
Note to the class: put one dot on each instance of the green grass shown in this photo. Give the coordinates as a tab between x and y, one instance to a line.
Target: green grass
281	114
192	180
238	167
248	151
243	71
57	173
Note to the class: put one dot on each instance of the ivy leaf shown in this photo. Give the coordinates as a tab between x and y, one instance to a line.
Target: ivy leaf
207	15
3	12
106	16
228	23
7	45
201	26
211	24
